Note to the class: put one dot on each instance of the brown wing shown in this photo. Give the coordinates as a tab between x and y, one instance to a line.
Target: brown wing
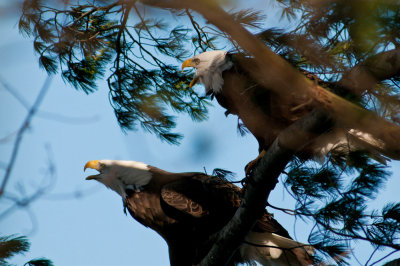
214	199
180	195
202	196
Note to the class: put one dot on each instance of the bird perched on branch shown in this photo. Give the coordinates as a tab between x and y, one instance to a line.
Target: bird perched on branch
265	112
187	209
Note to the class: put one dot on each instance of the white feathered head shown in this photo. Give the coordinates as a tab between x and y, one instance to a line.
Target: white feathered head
120	175
209	67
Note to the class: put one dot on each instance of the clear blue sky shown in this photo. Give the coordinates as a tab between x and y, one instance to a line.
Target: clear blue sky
80	222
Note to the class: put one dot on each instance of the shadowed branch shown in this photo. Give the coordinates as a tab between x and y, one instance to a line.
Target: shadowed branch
262	182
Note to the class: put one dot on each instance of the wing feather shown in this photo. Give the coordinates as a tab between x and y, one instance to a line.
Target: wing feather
183	196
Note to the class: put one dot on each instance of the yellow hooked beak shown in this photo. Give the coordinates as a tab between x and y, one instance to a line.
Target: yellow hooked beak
189	63
95	164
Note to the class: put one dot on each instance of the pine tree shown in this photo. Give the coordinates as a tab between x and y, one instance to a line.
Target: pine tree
350	48
13	245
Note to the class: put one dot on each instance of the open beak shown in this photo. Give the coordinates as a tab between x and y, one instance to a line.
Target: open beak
189	63
95	164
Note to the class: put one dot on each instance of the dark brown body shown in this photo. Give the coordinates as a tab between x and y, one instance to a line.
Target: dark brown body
263	112
266	113
186	209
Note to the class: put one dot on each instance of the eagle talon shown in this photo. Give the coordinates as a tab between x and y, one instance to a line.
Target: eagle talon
125	204
244	182
248	169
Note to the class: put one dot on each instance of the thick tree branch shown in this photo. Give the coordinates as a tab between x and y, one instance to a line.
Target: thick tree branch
366	74
262	182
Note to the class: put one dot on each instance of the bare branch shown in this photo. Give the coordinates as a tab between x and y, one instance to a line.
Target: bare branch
77	194
196	27
25	125
15	93
391	263
43	114
24	199
67	119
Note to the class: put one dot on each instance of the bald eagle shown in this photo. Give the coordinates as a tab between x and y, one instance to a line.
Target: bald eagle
187	209
265	113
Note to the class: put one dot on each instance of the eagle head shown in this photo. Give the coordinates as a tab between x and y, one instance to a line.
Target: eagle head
120	176
209	67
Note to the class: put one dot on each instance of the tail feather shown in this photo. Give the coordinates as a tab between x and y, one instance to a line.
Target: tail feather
272	249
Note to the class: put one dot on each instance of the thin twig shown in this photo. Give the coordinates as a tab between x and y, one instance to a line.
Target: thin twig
43	114
14	93
372	255
381	259
26	199
287	211
195	26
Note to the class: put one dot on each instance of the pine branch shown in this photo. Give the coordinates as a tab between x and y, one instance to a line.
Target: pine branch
12	245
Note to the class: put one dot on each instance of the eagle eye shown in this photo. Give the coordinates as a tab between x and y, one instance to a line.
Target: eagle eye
196	61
